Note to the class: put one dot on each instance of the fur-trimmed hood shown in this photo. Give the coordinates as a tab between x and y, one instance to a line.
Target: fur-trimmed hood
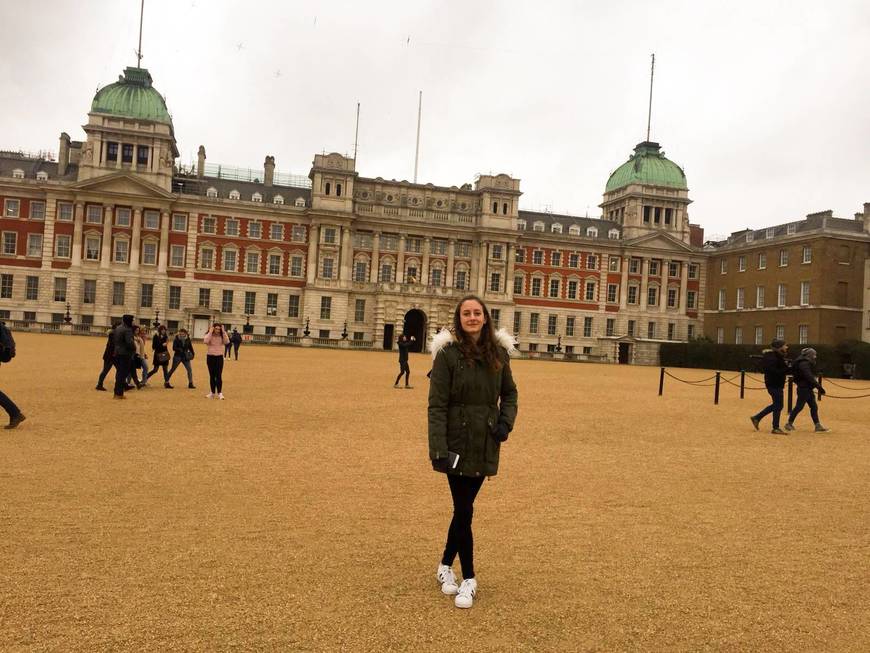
445	338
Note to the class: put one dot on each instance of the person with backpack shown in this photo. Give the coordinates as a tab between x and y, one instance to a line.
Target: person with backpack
803	370
182	354
108	358
7	353
775	367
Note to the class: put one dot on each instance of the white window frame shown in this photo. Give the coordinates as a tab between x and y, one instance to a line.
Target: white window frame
255	226
172	258
807	254
93	214
65	212
781	295
231	227
156	245
805	293
40	215
32	238
97	250
224	252
179	219
67	238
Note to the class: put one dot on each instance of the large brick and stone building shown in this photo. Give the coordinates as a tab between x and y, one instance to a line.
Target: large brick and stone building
114	225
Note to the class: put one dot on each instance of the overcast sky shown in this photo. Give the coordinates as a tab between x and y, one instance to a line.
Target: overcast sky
764	104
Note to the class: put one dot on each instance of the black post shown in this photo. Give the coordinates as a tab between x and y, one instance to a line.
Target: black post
742	382
716	392
820	386
661	381
790	394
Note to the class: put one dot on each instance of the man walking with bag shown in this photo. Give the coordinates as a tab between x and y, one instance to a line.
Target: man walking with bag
775	367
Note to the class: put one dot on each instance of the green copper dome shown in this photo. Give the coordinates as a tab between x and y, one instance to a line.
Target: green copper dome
132	96
647	165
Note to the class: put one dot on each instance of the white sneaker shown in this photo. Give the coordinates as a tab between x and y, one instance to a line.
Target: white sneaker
220	395
209	395
467	592
447	579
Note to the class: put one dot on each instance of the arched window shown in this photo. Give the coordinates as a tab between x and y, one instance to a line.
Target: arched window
234	194
277	199
574	230
613	234
495	207
591	232
256	197
300	202
538	226
556	228
504	208
328	187
387	273
338	190
211	192
42	175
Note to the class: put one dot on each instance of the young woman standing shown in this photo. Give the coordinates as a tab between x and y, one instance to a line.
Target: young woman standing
216	339
472	408
161	354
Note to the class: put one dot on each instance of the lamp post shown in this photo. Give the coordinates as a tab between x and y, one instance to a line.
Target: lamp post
559	343
156	318
248	328
67	318
344	331
306	332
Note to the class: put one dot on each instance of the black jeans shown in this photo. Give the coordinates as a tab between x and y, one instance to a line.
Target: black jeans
805	396
460	540
122	371
215	372
236	349
227	349
159	365
775	407
9	405
107	365
405	369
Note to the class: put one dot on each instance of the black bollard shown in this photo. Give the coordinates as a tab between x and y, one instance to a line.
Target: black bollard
790	395
820	386
742	382
716	392
661	381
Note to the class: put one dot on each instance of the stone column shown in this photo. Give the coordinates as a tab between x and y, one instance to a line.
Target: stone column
451	253
190	260
623	284
78	224
106	253
475	266
663	291
376	254
424	273
344	271
511	263
48	234
400	261
643	283
163	248
137	238
481	271
311	259
684	285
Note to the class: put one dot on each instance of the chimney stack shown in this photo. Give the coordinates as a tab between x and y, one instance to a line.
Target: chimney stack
867	217
63	154
269	170
200	162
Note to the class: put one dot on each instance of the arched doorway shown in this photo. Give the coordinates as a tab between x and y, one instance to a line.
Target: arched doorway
415	325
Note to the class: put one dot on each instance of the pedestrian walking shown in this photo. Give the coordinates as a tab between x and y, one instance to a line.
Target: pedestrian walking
160	347
182	354
108	358
472	409
404	368
124	348
216	339
7	353
228	348
775	367
236	339
138	359
803	370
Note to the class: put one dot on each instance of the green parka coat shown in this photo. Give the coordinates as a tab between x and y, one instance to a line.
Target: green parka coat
466	402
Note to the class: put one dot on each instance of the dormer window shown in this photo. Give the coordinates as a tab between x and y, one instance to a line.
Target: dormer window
234	194
556	228
211	192
770	231
521	225
538	226
591	232
42	175
790	229
750	236
18	173
574	230
257	197
277	199
613	234
300	202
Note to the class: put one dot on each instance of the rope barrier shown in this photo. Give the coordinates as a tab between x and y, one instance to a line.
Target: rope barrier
838	397
845	387
700	381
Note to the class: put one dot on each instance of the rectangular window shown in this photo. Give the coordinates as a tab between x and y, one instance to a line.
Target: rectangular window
296	266
10	243
590	291
609	326
60	289
556	259
34	244
276	232
411	274
613	263
634	266
435	276
632	295
255	229
519	255
691	299
572	290
653	268
325	308
122	217
126	153
551	325
769	232
533	322
92	248
439	246
227	301
497	253
495	282
179	222
573	260
31	289
174	297
360	271
122	250
741	264
147	295
693	270
272	303
327	268
176	256
759	335
37	210
723	266
149	253
613	293
206	258
274	264
231	227
65	212
759	296
209	225
297	233
250	302
762	261
538	257
252	263
6	286
359	310
463	249
591	262
803	334
780	332
518	321
496	316
720	335
672	331
569	326
554	287
151	220
587	327
111	151
329	236
632	326
672	297
783	258
807	254
741	297
790	229
204	299
118	293
651	330
89	291
673	269
462	280
518	285
805	293
536	287
652	296
142	155
738	335
94	214
230	260
781	295
750	236
293	309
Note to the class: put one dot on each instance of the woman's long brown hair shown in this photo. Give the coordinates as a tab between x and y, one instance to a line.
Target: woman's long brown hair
486	348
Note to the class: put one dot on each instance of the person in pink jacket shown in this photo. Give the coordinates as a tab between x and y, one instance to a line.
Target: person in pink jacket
216	340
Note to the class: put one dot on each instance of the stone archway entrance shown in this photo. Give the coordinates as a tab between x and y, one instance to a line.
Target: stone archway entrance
415	325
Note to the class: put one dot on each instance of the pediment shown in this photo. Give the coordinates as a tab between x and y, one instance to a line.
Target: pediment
661	241
122	183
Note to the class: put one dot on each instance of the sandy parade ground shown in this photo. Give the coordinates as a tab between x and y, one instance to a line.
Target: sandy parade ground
301	514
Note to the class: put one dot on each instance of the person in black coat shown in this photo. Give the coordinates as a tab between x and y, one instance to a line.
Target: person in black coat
182	354
160	345
236	341
803	370
404	345
124	348
108	358
775	367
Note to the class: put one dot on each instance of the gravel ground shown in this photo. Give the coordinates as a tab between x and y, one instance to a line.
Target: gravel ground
301	514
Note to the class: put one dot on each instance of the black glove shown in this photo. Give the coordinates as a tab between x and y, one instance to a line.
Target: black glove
440	464
500	432
822	391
